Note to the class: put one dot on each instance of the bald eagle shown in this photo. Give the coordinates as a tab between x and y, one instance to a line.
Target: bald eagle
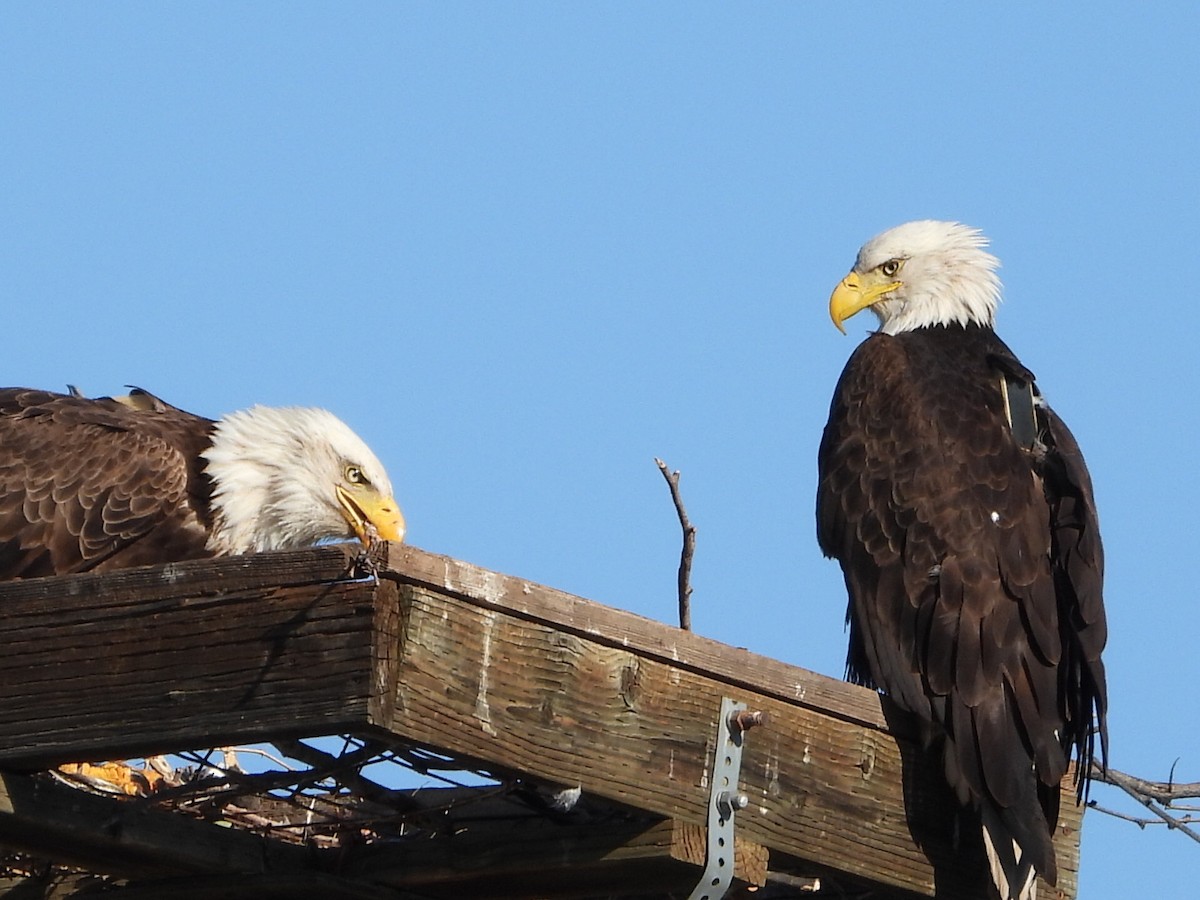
91	485
961	511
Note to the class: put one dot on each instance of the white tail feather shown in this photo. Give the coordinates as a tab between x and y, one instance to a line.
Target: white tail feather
1012	873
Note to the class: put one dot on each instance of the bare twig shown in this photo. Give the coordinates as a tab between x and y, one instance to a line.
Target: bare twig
351	776
1159	791
1156	796
252	751
689	547
1140	821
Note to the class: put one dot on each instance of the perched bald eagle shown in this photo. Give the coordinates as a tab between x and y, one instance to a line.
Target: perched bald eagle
90	485
961	511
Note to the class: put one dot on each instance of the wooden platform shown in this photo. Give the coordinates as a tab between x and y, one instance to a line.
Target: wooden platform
513	678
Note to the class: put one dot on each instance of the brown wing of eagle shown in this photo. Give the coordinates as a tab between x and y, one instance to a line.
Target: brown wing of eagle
98	484
973	564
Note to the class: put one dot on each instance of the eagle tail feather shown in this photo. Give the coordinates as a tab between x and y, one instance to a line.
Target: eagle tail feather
1012	868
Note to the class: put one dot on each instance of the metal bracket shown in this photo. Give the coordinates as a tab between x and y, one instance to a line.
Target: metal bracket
724	800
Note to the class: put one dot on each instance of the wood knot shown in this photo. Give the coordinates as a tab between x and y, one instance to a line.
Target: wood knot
630	684
866	762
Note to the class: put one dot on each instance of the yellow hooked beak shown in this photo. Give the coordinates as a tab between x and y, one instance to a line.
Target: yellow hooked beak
855	293
372	515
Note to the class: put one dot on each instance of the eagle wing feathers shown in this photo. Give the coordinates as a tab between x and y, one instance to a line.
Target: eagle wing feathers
973	565
84	483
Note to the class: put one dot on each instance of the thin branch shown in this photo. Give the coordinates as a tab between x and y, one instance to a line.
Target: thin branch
1139	821
1156	796
351	776
1159	791
258	751
689	547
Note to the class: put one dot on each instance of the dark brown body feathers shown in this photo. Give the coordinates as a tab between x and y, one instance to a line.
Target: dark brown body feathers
974	567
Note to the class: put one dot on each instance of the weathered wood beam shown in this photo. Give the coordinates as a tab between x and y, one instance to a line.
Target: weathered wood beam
618	628
541	858
481	666
159	853
578	693
189	655
279	886
119	837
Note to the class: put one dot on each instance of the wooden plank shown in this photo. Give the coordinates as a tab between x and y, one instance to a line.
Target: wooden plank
537	699
281	886
125	672
545	859
316	565
481	666
501	858
618	628
121	837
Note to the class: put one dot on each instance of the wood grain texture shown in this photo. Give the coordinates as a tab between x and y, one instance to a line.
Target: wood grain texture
101	667
637	730
194	578
118	837
619	628
486	667
540	858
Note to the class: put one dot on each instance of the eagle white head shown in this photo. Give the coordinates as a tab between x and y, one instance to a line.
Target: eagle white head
921	274
292	477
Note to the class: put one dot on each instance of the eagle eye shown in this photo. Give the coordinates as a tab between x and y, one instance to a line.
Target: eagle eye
355	475
891	267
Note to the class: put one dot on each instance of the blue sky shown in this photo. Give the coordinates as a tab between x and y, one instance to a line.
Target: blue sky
525	248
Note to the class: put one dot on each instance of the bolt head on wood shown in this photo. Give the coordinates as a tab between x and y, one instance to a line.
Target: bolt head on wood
744	719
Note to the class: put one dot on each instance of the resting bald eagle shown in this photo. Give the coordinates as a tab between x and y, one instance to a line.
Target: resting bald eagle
90	485
961	511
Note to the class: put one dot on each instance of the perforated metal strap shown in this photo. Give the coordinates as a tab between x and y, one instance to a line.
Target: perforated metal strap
723	801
